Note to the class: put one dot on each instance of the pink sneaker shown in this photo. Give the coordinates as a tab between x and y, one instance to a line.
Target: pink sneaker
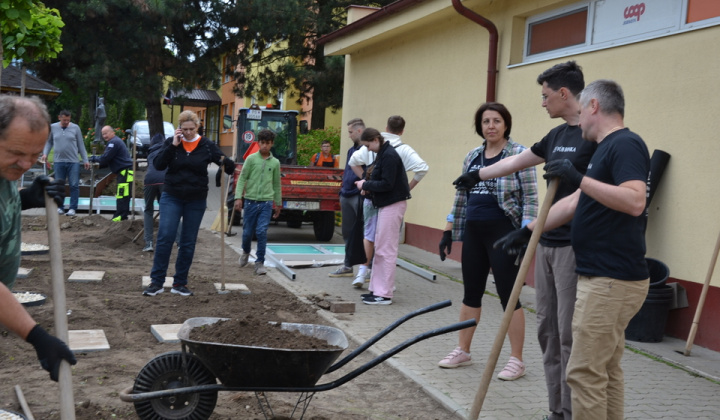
456	358
513	370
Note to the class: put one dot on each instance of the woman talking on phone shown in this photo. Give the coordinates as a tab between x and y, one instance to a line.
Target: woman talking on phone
186	157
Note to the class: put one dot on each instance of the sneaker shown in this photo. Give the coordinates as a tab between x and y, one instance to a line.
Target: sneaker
70	212
364	295
513	370
181	290
116	219
148	248
456	358
244	259
376	300
61	211
153	290
260	268
359	281
342	272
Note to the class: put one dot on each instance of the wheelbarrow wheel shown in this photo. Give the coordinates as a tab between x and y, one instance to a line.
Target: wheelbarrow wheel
166	372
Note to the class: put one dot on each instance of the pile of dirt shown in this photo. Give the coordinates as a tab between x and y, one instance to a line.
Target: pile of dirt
116	306
251	332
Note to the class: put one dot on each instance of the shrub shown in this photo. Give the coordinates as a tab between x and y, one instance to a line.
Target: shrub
309	144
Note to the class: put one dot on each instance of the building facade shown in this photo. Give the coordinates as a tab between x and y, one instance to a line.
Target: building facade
434	63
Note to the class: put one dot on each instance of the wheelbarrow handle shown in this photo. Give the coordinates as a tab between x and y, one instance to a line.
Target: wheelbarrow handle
386	331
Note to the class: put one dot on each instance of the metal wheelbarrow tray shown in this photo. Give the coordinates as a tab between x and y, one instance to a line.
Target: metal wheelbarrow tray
183	385
261	367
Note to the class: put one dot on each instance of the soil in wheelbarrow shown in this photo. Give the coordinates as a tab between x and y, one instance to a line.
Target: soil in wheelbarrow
116	306
250	331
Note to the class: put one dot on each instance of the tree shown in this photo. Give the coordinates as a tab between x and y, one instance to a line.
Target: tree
280	53
126	49
40	41
15	18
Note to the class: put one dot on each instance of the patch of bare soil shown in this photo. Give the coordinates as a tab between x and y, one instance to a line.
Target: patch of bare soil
116	306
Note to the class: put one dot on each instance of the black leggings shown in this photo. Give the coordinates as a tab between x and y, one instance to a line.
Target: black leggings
478	256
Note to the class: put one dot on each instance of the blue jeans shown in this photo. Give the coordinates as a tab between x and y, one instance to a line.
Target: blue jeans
256	218
152	193
172	209
70	172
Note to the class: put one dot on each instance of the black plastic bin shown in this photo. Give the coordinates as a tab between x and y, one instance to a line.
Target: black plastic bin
648	325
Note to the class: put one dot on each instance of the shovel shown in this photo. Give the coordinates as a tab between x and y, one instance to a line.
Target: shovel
701	302
67	405
510	307
222	290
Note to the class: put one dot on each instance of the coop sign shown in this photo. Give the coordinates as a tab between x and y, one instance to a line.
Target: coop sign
633	13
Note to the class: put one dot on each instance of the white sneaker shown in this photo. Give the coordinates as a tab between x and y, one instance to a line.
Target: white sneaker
61	211
70	212
359	281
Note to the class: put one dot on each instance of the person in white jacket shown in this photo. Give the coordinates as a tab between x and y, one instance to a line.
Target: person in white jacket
412	162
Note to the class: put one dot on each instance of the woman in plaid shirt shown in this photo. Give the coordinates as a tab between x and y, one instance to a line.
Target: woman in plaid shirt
482	215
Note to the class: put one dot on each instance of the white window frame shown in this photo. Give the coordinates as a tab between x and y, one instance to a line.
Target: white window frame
679	27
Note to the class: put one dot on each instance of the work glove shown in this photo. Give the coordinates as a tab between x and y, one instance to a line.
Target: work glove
94	159
467	180
50	351
563	169
445	243
228	165
34	196
514	242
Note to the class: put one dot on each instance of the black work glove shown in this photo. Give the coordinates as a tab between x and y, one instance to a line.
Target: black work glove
467	180
514	242
94	159
445	243
50	351
34	196
229	165
563	169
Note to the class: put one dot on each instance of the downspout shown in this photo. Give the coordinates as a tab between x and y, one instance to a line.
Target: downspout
492	50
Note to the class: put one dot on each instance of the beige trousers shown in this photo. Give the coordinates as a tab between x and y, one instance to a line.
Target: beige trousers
603	310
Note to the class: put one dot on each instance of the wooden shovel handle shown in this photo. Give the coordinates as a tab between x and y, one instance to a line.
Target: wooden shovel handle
510	307
701	302
67	404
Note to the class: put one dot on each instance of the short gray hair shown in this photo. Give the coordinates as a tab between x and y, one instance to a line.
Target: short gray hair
30	108
608	94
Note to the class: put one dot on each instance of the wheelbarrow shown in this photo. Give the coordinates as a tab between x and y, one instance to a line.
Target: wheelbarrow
183	384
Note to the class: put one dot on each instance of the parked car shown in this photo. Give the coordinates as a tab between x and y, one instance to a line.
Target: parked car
140	133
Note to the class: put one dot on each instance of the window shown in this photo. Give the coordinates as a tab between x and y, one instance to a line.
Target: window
558	32
702	9
596	24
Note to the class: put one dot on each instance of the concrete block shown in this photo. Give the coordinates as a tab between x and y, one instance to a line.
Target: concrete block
86	276
166	333
23	272
234	287
87	340
342	307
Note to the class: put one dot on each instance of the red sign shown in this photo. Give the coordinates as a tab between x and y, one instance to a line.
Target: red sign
248	136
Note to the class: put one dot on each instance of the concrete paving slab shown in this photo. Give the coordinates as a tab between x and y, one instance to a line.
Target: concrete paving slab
233	287
23	272
166	333
86	276
88	340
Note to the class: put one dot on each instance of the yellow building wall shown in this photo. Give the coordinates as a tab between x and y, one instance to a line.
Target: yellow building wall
429	65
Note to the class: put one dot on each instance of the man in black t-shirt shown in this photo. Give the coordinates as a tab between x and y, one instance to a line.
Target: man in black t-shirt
555	277
609	216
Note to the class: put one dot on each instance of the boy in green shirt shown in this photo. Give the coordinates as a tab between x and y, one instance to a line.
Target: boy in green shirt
259	183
